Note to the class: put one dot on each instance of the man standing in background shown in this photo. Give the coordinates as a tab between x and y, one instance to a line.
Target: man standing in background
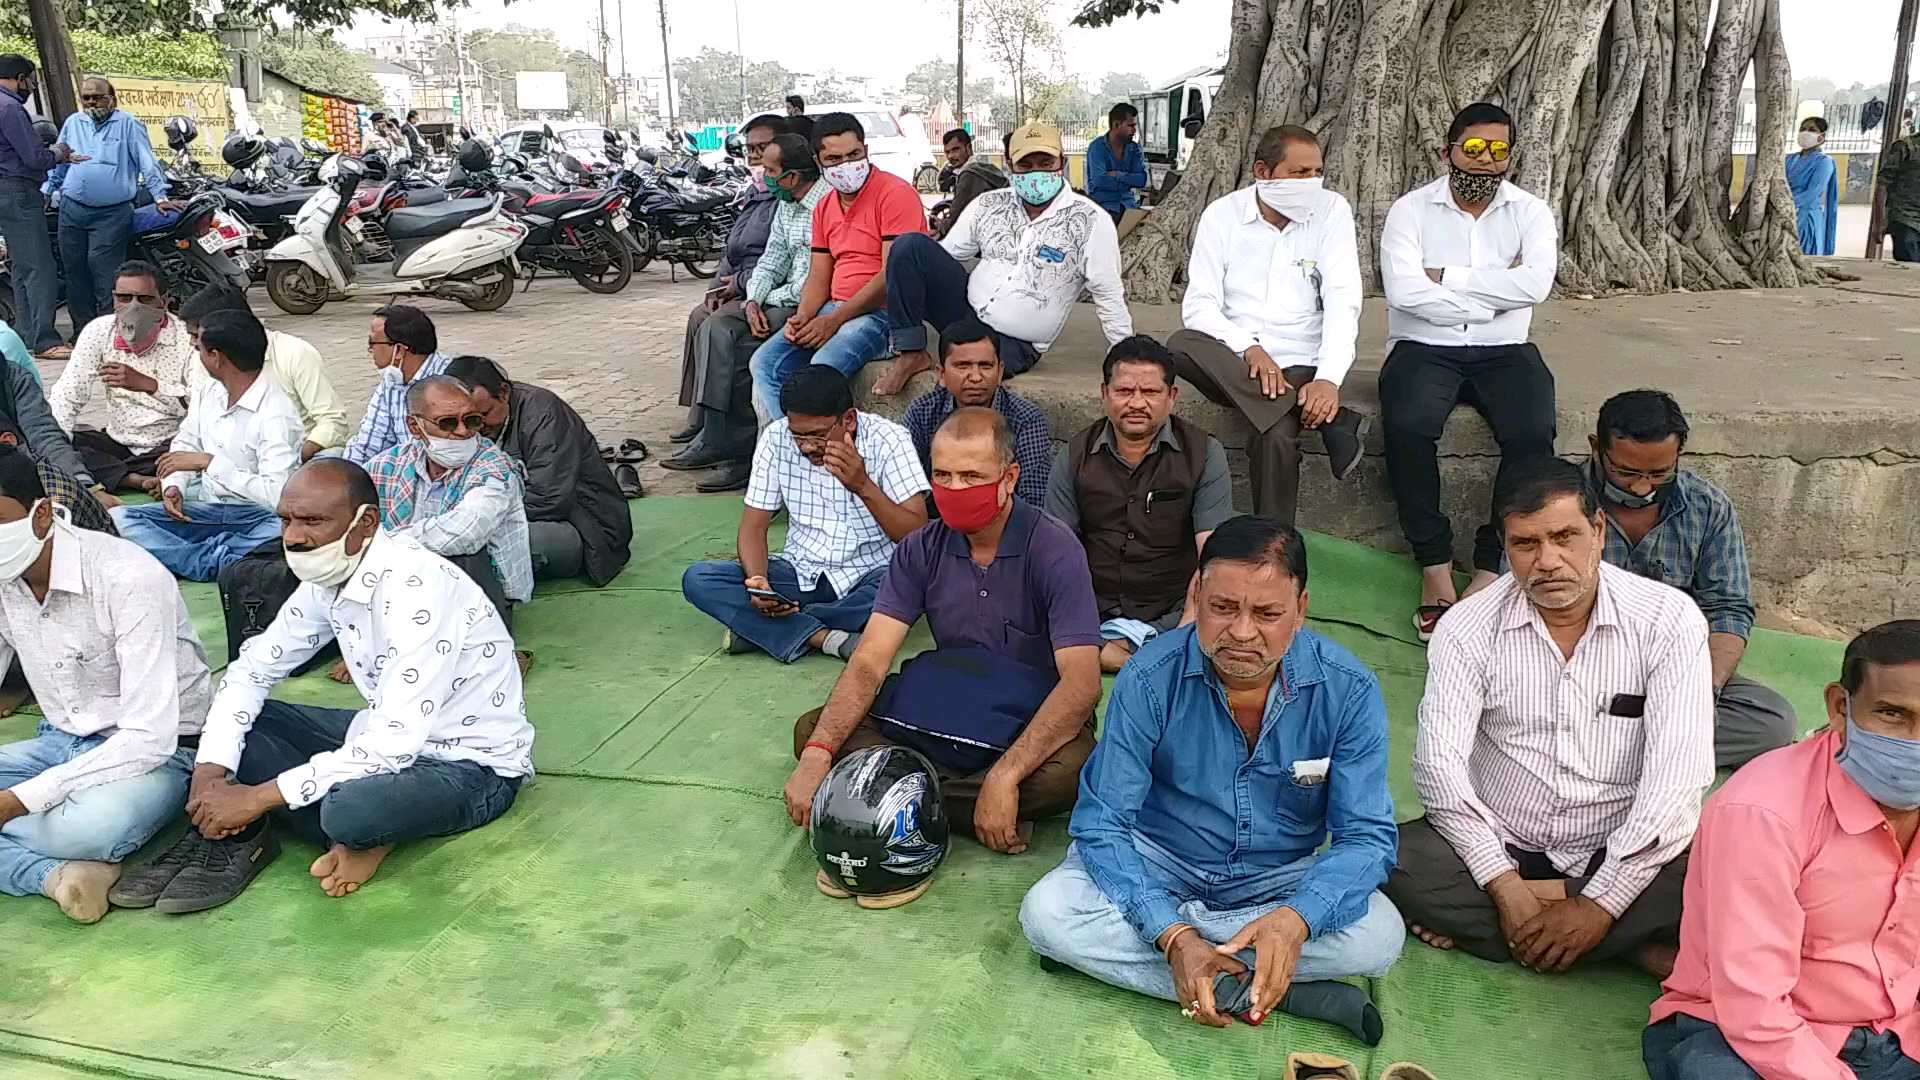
23	213
113	160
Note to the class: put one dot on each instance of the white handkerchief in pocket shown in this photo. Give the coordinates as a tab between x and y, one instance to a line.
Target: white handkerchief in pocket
1308	772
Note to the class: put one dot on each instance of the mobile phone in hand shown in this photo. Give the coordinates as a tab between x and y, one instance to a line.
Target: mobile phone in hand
769	594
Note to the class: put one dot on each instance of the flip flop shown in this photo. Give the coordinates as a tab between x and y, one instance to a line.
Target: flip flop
1426	617
629	480
634	451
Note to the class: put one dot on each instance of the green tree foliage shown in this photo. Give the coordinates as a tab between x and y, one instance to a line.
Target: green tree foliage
155	56
179	16
931	83
1121	85
710	87
500	54
318	62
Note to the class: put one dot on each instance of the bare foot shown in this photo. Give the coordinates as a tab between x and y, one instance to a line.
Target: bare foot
905	367
1656	960
1481	579
1438	941
338	672
342	870
1436	586
524	659
1114	656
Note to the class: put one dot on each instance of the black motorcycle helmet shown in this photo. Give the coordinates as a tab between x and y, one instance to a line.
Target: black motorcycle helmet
49	134
474	156
736	146
878	824
242	150
181	131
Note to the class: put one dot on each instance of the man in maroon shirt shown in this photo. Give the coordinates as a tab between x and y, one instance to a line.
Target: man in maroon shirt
994	574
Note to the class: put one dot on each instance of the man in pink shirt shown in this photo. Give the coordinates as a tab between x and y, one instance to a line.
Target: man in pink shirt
1800	942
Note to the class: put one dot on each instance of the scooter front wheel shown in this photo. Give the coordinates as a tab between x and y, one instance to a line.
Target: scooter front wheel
493	297
294	288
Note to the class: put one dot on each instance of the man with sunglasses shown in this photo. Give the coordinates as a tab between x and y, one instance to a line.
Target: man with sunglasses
457	494
113	159
852	487
1464	260
405	348
745	242
1670	524
719	394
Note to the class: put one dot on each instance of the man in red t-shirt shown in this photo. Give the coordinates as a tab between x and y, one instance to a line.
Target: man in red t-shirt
842	319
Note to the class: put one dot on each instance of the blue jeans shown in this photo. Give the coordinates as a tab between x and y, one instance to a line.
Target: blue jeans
105	823
1067	918
36	290
219	535
93	244
431	797
863	338
1686	1047
925	285
718	587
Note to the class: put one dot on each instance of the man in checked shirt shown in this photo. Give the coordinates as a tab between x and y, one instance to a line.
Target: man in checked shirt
1566	739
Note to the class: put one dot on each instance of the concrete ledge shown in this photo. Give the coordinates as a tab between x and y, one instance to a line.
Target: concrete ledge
1804	404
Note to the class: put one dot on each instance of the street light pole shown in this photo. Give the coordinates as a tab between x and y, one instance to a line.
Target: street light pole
606	99
620	16
740	54
666	59
960	67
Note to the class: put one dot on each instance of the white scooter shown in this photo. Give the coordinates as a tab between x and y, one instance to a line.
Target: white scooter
461	249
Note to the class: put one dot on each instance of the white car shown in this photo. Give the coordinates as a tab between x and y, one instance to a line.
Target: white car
588	142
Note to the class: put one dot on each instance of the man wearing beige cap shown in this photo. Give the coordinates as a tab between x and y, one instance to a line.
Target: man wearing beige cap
1039	244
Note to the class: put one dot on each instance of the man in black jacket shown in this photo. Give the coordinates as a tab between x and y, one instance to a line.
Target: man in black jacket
745	242
577	519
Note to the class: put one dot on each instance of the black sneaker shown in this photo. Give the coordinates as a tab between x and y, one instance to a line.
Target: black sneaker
732	477
222	871
1345	437
141	886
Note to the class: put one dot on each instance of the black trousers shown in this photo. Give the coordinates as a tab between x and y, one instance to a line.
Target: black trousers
1509	385
479	567
1433	888
109	462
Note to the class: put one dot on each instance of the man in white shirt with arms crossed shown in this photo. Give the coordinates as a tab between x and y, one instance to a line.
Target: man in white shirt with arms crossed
441	748
1463	261
104	640
1566	740
1271	313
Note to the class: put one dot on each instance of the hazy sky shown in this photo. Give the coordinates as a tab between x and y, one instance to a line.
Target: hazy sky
1844	40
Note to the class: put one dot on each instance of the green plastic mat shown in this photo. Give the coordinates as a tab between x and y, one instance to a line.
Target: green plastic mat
645	910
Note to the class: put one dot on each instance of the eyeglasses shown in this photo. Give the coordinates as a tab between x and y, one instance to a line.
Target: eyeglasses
814	442
1658	479
374	343
1473	148
452	425
136	298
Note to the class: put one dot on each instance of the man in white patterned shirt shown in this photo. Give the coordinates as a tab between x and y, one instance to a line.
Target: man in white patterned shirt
1566	740
104	640
220	481
852	486
442	746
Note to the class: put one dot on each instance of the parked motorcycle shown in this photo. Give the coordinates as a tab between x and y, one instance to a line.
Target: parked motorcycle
577	233
677	221
462	249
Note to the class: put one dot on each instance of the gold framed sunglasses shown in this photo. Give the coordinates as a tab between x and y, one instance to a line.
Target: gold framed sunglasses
1473	148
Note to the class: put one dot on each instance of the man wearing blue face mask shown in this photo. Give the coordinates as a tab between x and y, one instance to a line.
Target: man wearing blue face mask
1670	524
451	489
1272	312
1800	943
1040	245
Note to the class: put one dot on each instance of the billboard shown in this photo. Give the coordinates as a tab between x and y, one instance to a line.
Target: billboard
151	101
541	91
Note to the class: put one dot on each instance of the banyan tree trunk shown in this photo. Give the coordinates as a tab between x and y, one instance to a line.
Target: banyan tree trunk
1626	111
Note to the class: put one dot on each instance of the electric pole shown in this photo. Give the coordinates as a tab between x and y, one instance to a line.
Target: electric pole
740	54
620	17
1890	130
606	99
59	89
666	59
960	68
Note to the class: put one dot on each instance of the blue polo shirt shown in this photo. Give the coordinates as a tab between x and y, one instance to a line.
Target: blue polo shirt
1036	595
120	160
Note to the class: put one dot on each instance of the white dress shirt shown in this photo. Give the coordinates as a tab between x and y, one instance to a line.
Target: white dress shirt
1032	270
424	647
830	532
110	653
140	422
1483	297
1519	746
1294	292
255	444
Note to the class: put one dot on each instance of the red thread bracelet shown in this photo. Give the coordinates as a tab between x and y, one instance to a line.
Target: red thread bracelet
811	743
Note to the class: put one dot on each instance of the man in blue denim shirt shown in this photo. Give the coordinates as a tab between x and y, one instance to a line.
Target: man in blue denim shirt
1116	164
112	158
1233	746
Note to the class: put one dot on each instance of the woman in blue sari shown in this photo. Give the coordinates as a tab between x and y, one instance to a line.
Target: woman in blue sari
1816	188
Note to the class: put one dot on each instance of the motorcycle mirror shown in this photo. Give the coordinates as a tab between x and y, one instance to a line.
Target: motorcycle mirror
547	130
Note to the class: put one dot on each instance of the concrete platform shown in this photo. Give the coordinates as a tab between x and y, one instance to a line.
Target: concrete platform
1804	403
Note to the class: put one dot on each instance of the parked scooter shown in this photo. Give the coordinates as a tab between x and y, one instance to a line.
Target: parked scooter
462	249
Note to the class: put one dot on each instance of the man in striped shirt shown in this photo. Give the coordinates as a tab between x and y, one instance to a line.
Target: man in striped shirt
1566	739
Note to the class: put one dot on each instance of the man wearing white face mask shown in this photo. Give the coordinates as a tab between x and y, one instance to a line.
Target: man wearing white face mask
442	747
1271	314
1040	245
104	640
450	488
222	477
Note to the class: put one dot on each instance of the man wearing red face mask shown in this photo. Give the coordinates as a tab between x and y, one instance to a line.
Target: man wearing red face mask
1003	704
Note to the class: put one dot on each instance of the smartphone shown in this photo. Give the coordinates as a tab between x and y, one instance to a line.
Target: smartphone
769	594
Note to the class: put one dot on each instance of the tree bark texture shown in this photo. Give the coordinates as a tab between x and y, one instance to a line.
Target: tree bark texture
1625	109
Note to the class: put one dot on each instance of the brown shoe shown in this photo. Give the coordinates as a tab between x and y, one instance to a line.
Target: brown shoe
1406	1070
1319	1067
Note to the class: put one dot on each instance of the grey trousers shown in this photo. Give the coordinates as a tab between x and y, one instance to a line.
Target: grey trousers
1434	889
1273	454
722	380
558	550
1749	720
696	318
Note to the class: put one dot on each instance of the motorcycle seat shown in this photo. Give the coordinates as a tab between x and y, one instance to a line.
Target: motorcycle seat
556	205
426	196
438	219
269	206
691	201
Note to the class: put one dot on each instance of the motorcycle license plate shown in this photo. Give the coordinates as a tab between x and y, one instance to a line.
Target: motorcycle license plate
619	220
231	232
210	243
